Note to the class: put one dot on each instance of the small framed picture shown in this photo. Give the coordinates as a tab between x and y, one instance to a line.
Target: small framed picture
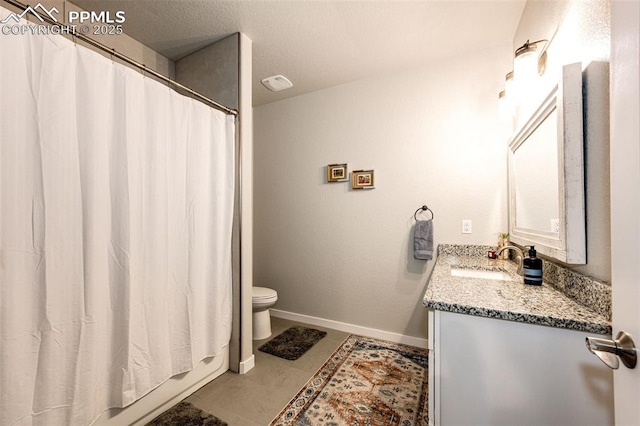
337	172
362	179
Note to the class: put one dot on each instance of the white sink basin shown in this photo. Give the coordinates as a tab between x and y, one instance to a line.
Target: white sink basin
476	273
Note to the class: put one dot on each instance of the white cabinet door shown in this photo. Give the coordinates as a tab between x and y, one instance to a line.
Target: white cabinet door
496	372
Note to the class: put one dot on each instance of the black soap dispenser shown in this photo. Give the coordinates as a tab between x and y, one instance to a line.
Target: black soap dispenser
532	268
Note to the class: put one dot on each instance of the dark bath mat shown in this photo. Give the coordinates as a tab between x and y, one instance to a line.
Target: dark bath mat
292	343
185	414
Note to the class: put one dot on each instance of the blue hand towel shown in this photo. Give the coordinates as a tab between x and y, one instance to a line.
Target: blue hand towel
423	240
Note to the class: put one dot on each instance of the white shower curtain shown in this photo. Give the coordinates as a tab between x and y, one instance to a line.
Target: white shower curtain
116	199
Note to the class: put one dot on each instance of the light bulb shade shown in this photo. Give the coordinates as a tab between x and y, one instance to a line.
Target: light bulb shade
509	85
511	94
525	64
504	109
525	74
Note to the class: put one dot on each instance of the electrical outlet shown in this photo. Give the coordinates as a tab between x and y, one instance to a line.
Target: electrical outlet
555	225
466	226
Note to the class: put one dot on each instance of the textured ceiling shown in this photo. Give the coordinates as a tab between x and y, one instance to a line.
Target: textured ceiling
321	43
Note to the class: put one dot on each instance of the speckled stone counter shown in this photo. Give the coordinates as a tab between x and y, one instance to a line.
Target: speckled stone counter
507	299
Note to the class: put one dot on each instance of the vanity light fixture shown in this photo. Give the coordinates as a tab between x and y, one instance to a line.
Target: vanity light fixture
527	63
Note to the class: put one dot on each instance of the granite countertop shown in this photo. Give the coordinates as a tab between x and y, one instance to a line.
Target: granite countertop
508	299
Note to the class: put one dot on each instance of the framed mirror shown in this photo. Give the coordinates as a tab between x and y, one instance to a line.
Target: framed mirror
546	175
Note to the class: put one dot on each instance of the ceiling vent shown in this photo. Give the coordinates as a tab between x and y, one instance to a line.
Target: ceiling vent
277	83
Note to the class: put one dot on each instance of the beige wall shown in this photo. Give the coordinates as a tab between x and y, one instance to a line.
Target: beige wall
433	137
583	35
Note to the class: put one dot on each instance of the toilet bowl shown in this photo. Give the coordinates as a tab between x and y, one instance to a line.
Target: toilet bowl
262	299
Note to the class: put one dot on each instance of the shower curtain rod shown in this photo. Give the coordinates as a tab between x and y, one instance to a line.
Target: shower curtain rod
130	61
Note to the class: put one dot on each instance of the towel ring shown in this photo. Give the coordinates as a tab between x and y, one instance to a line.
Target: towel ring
423	208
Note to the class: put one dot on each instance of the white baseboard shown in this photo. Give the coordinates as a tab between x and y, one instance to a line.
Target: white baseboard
247	365
351	328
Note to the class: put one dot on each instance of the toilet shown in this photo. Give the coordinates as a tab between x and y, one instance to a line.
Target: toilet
262	299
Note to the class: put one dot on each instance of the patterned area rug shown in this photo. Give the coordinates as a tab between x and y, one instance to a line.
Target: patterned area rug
292	343
365	382
185	414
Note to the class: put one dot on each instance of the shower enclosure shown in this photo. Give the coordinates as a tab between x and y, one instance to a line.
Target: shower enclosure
116	215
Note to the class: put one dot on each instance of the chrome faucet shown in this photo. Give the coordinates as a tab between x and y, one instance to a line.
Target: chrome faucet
519	256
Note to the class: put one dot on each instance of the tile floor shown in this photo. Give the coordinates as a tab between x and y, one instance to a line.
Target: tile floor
255	398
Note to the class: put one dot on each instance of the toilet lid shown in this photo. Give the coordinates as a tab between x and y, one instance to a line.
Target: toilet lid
259	293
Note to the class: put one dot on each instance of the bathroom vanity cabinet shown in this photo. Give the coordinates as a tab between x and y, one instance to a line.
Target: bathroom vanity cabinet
486	371
505	353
